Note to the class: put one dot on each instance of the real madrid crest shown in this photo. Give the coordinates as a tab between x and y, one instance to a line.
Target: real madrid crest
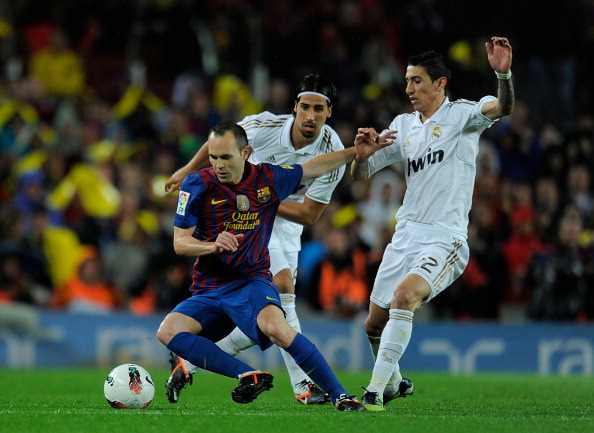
436	132
243	203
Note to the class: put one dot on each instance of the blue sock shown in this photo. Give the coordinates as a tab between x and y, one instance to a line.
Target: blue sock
311	361
205	354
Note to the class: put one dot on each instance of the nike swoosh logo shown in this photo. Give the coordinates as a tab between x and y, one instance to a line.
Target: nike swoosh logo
271	299
213	201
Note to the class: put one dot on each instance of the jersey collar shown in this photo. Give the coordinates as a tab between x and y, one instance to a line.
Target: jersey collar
436	116
285	141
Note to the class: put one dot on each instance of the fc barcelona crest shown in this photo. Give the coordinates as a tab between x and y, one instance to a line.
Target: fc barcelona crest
264	194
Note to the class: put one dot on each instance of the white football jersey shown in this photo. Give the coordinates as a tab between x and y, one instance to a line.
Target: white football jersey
439	159
269	136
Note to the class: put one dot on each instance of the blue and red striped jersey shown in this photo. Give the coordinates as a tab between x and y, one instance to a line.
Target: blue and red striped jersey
248	207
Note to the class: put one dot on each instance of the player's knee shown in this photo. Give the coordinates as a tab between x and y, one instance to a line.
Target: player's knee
286	289
284	282
165	333
405	298
279	333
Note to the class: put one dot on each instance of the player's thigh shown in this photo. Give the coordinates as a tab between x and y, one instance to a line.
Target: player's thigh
244	301
436	257
392	270
206	310
441	261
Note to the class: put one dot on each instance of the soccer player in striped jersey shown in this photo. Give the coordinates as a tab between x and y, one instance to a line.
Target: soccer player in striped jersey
225	217
282	139
437	145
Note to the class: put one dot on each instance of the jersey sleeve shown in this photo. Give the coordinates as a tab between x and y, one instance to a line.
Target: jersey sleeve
287	179
190	194
475	117
251	126
321	188
388	155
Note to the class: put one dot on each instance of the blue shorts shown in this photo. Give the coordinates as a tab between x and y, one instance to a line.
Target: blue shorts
220	310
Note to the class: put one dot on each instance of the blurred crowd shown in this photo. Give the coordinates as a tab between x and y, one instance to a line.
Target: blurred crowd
101	101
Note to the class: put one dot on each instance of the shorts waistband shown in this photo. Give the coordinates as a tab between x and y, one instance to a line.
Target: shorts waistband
428	227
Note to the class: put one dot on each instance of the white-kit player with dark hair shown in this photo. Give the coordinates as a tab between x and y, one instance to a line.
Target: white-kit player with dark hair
437	145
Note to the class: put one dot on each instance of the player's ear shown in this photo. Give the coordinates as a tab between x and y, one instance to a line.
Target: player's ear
329	112
247	151
441	83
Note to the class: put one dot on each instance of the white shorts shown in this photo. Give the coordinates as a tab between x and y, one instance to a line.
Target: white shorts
281	259
421	249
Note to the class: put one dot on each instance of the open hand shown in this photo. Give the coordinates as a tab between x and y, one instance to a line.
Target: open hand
499	54
368	141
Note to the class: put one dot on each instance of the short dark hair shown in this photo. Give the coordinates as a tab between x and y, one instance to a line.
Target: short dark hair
433	63
237	131
319	84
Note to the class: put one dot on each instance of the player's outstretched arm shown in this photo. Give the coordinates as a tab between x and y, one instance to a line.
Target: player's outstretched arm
323	164
366	142
364	148
199	160
499	54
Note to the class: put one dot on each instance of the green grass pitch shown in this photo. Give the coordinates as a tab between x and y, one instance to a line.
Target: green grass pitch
71	400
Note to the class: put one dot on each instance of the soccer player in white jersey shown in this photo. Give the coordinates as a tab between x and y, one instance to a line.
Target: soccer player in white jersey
281	139
437	145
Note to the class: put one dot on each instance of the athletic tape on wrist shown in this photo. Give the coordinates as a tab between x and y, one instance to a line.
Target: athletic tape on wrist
505	76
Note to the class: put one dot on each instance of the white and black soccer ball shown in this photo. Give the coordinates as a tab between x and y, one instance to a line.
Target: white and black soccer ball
129	386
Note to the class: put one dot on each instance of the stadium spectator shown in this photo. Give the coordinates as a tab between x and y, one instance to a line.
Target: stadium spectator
378	206
522	244
558	275
341	277
88	290
60	69
578	191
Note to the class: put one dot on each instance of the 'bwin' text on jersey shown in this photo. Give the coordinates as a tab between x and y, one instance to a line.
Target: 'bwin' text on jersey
432	157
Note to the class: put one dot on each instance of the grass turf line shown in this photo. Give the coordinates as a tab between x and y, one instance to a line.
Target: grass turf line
71	400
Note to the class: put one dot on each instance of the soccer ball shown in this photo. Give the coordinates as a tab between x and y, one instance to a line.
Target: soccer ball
129	386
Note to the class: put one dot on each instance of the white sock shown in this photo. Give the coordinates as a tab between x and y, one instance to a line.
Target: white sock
296	374
288	303
392	386
233	343
395	338
190	368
